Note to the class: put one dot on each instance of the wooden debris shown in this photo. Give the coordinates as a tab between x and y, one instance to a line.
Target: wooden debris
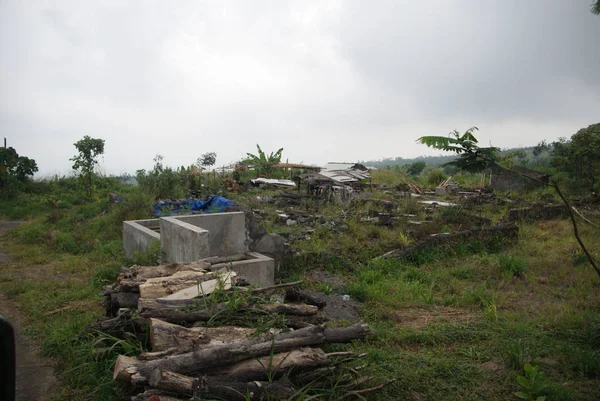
200	289
269	359
165	336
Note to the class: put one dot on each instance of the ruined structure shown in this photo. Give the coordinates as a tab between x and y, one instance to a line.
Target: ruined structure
196	237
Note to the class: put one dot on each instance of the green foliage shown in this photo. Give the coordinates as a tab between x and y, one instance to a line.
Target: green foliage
513	265
207	159
86	160
532	384
262	162
472	158
14	170
161	182
416	168
579	156
435	176
596	7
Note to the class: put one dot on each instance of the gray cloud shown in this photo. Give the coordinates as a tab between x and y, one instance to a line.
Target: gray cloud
335	80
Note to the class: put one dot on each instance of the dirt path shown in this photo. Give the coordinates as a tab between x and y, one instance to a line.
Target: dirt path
35	374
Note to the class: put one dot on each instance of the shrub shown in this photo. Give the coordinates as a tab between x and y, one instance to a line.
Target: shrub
513	265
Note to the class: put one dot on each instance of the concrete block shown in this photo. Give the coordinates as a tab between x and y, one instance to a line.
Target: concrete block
139	235
441	191
183	242
227	231
258	269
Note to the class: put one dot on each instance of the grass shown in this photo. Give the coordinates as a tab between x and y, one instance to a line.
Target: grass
455	323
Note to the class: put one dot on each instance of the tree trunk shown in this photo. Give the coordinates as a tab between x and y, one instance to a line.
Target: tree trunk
267	367
151	308
198	289
147	272
165	380
223	355
164	336
163	286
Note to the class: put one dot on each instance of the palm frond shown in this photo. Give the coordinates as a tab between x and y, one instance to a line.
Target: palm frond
442	143
596	8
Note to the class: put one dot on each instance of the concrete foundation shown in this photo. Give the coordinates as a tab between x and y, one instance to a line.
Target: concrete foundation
257	269
139	235
193	237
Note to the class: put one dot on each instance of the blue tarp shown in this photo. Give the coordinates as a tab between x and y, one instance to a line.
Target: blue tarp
216	204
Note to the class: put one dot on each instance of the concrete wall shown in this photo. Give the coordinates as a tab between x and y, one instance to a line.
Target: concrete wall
183	242
193	237
138	236
257	269
227	231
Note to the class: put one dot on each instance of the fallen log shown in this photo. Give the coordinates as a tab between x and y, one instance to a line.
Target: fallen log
288	309
172	313
308	297
199	289
164	336
147	272
119	300
165	380
272	366
125	367
488	236
163	286
223	355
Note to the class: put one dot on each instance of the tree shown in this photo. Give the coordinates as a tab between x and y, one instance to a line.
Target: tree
85	162
596	7
263	163
207	159
472	158
14	169
416	168
579	156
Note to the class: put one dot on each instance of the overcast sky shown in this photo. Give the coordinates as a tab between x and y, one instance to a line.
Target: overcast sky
325	80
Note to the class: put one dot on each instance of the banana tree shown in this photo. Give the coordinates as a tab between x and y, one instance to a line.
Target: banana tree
262	162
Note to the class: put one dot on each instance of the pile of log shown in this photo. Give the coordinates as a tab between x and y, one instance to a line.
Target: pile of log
207	335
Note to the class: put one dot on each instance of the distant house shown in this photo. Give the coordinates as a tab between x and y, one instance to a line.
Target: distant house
345	173
504	180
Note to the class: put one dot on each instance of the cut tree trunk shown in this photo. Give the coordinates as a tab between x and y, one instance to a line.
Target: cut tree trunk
163	286
164	336
272	365
311	298
223	355
146	272
165	380
152	308
289	309
199	289
123	300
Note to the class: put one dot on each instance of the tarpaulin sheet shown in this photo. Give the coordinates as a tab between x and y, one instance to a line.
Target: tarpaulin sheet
216	204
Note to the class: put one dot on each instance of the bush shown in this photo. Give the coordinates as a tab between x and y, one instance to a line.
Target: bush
513	265
435	176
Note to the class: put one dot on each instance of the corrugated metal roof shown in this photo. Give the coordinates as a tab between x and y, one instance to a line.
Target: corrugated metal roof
272	181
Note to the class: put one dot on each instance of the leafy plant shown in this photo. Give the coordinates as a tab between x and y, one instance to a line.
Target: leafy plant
263	163
532	384
86	160
14	168
472	157
513	265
